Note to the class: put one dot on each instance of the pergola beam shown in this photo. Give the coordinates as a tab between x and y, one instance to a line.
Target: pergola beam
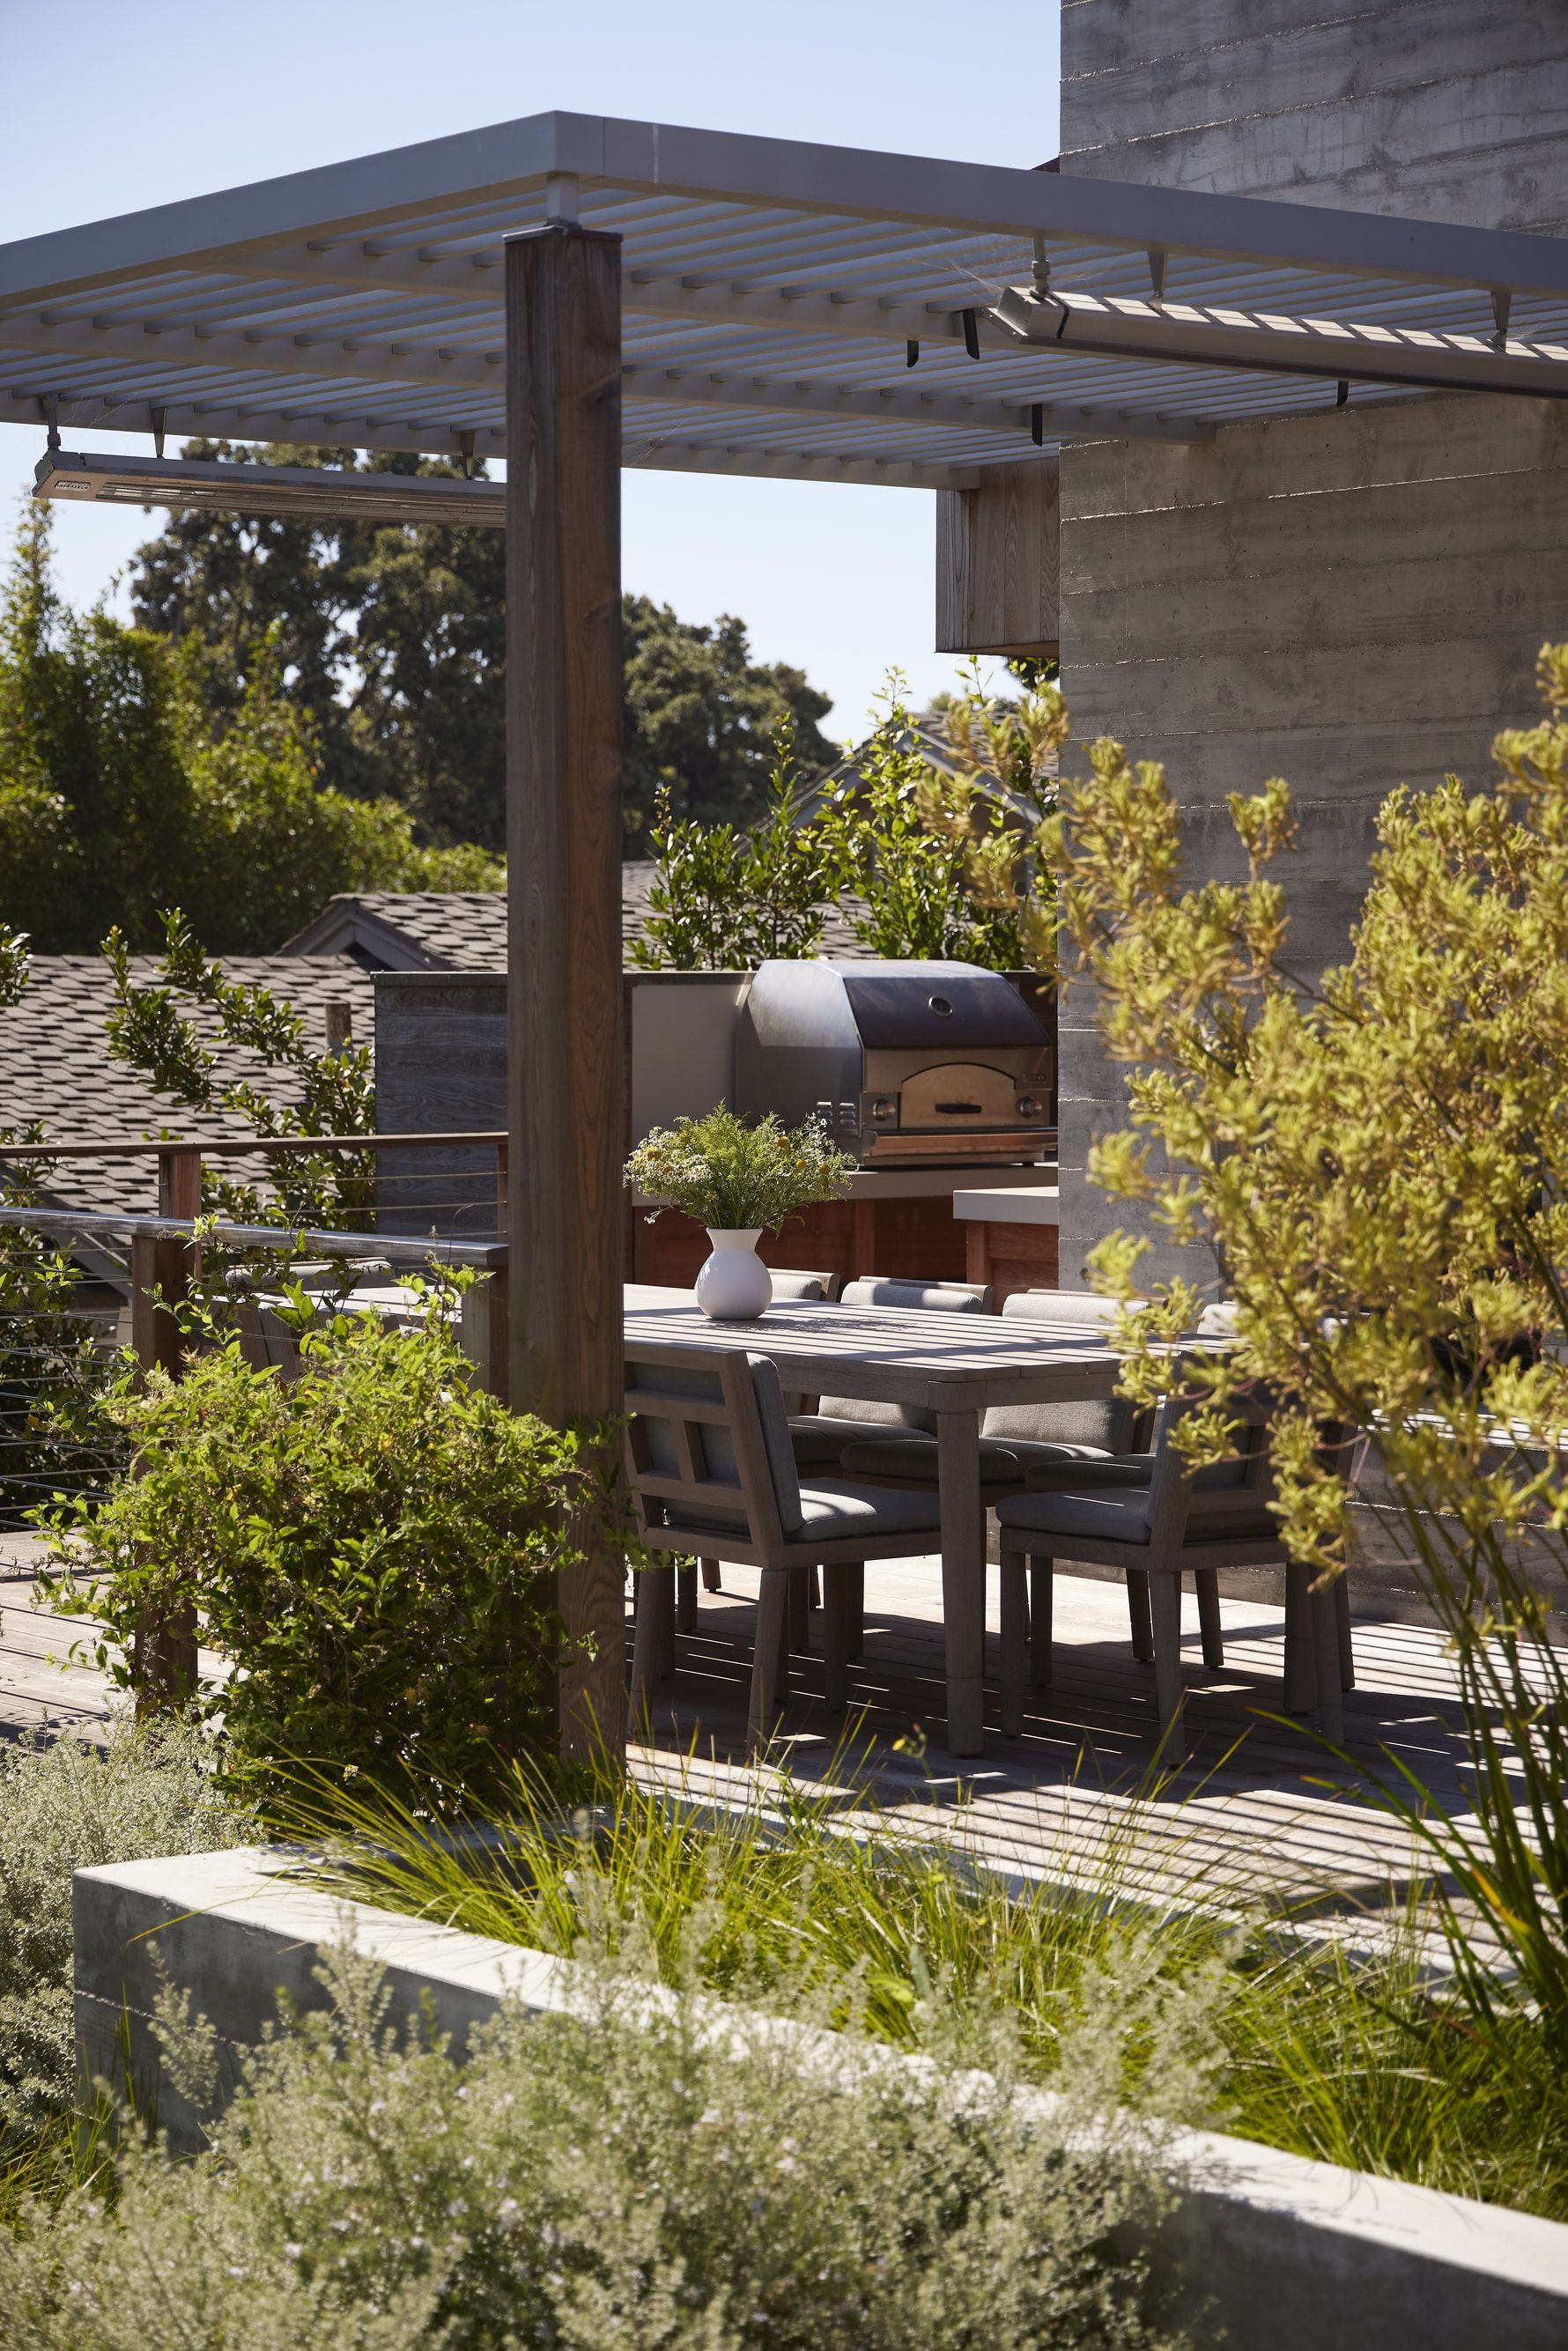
672	455
504	163
303	357
1060	419
471	277
221	420
639	453
1068	325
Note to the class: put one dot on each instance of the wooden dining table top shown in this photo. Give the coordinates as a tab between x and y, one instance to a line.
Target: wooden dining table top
893	1355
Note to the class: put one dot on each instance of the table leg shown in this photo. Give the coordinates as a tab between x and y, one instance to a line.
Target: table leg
1300	1656
963	1576
1325	1651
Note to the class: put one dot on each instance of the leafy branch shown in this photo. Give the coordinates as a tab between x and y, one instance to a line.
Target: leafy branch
330	1093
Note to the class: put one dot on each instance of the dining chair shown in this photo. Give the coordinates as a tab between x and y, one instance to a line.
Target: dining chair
788	1283
710	1469
1176	1522
813	1288
819	1435
1090	1440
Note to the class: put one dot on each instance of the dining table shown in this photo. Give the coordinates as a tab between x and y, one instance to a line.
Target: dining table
952	1365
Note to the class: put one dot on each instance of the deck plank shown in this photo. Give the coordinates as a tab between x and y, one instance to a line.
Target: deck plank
1261	1807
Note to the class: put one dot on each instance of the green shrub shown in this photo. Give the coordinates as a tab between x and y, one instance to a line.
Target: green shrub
371	1547
65	1807
612	2187
1354	2058
1374	1162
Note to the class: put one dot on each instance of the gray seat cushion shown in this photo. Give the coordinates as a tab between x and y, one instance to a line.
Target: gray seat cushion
819	1438
1078	1476
1131	1469
914	1459
832	1510
1121	1516
1116	1514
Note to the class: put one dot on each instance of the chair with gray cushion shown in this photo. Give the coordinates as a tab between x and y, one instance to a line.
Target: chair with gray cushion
821	1435
1074	1441
1175	1523
711	1470
813	1286
813	1290
1016	1437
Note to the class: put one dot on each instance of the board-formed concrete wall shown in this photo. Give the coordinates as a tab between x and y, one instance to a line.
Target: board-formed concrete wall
1439	110
1352	599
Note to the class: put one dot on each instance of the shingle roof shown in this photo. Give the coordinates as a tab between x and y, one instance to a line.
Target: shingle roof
55	1067
465	930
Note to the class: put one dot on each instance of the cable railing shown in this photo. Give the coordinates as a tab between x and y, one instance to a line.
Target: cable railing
373	1225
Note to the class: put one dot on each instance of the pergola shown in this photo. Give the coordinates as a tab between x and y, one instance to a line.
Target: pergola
575	295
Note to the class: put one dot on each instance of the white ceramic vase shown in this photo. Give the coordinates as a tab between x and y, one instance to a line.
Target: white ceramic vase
735	1285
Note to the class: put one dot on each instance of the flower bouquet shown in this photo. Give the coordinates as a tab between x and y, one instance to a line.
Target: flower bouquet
740	1181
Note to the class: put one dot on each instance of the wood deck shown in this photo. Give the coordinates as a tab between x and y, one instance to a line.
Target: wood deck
1262	1806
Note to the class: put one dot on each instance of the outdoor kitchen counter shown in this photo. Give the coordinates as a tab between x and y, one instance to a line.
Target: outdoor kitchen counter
951	1365
898	1223
1010	1233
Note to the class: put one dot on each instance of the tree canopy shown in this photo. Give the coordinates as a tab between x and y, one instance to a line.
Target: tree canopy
391	638
924	861
122	795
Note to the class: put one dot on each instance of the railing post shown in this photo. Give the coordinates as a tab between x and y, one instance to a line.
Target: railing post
163	1649
484	1333
160	1261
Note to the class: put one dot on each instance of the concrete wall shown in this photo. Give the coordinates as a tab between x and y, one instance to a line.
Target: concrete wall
1267	2252
1439	110
1352	599
441	1066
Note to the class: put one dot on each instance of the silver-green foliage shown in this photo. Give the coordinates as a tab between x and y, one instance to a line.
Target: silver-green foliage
601	2184
63	1807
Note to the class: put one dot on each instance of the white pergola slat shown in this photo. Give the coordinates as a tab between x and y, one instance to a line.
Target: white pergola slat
773	295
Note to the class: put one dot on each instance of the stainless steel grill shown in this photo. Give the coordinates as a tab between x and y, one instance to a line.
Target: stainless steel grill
909	1064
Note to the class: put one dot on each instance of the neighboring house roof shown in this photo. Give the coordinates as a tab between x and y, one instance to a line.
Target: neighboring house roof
55	1068
409	930
465	930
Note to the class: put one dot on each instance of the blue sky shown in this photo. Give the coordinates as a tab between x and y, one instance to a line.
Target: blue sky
106	109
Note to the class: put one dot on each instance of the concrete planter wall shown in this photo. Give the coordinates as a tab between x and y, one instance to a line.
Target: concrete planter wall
1288	2256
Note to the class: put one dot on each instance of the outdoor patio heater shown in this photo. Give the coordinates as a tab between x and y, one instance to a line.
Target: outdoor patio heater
908	1064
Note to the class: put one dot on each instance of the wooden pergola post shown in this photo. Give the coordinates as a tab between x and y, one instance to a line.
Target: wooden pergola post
563	859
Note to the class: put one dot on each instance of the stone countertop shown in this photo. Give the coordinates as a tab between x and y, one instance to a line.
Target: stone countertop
1010	1204
935	1184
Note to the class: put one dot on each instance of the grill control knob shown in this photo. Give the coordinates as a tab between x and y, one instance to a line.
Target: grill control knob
883	1108
1027	1106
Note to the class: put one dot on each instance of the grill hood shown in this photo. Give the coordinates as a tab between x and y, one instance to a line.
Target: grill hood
909	1064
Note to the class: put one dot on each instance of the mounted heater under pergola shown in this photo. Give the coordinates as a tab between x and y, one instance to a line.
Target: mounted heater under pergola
575	296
